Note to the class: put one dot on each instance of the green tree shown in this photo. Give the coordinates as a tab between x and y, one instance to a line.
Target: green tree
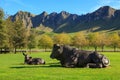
80	40
62	38
102	40
19	35
7	25
45	42
114	40
9	32
1	14
32	42
94	39
2	30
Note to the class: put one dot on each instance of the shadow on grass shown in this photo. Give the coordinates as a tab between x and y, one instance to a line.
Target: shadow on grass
49	65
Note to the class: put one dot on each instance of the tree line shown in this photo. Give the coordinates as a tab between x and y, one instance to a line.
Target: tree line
14	35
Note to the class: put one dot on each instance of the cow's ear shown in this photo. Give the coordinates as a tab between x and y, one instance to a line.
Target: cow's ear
24	54
94	52
57	45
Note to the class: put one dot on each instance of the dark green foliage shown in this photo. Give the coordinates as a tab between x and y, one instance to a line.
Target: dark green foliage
2	31
1	13
32	42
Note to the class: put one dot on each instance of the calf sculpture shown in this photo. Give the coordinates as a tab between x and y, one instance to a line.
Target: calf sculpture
32	61
72	57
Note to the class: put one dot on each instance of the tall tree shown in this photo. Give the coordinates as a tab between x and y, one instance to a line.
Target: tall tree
7	25
32	42
94	40
114	40
2	30
62	38
20	37
1	14
80	40
45	42
102	40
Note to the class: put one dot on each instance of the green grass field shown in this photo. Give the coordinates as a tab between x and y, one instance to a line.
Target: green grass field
12	68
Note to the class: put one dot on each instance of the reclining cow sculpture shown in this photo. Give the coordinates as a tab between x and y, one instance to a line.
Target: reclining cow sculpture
32	61
72	57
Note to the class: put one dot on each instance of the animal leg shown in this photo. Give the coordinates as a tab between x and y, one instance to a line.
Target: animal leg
94	65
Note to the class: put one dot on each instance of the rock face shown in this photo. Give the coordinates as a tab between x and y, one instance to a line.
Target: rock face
105	18
26	17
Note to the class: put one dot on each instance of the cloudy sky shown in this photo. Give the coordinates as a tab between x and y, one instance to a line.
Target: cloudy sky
71	6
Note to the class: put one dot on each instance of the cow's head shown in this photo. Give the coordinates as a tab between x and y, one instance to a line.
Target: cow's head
26	58
106	61
57	51
100	58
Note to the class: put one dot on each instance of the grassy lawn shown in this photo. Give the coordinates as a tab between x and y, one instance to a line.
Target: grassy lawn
12	68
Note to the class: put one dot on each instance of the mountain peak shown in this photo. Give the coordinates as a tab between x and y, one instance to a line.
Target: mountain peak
105	12
25	13
64	14
44	13
106	8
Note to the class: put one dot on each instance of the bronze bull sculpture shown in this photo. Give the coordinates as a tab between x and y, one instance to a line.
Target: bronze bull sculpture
72	57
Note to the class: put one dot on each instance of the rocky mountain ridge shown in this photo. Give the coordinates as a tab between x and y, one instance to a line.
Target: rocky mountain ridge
104	18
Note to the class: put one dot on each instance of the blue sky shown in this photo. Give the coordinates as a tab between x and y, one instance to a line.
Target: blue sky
72	6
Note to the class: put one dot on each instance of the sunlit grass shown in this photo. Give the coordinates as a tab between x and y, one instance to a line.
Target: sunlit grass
12	68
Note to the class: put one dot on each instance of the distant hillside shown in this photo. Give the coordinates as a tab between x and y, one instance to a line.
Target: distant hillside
105	18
